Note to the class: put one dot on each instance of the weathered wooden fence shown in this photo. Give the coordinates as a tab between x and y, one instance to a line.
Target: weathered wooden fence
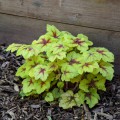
22	21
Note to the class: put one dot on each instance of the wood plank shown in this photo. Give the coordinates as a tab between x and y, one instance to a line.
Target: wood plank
24	30
103	14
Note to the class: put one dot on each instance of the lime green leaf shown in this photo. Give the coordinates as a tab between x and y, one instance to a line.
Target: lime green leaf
41	72
68	73
67	100
92	98
52	57
93	81
106	69
105	54
43	43
60	84
52	66
82	96
74	58
28	85
27	51
87	67
14	47
23	71
84	85
53	31
91	56
56	93
78	100
49	97
41	86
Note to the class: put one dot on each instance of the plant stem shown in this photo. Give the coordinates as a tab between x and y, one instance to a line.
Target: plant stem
86	109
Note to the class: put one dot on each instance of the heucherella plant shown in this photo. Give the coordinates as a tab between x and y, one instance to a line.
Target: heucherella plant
64	68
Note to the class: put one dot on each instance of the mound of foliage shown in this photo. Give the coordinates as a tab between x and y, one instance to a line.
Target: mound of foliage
64	68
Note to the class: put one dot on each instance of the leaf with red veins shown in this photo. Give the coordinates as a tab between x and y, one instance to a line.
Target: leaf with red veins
42	44
74	58
52	31
23	71
91	56
41	86
106	69
78	41
55	34
30	82
80	44
92	97
52	66
73	61
59	47
88	67
28	85
92	82
53	56
27	51
68	73
105	54
41	72
101	52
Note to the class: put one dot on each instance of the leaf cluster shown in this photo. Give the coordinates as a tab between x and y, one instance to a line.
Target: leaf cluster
64	68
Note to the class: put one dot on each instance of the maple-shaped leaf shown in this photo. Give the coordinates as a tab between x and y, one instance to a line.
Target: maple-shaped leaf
68	73
91	56
76	79
106	69
49	97
23	71
81	42
56	93
41	72
43	43
27	51
87	67
59	47
52	66
67	100
41	86
74	58
84	37
32	62
53	56
93	82
105	54
53	32
28	85
92	97
14	47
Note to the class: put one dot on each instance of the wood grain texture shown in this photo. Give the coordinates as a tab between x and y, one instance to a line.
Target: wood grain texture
24	30
103	14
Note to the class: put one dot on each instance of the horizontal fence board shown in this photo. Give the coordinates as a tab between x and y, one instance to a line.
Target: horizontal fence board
24	30
103	14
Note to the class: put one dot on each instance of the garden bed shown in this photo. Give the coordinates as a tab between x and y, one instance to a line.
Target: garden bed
13	107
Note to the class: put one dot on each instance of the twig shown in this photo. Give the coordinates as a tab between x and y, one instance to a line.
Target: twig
87	111
110	117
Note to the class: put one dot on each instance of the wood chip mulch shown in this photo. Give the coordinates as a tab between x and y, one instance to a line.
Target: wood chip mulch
13	107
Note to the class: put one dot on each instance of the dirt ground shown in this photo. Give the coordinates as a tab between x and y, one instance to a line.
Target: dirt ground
13	107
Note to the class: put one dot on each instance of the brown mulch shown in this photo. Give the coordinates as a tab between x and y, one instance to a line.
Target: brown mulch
13	107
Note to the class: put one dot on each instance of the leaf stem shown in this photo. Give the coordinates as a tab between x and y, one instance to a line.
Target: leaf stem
88	113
